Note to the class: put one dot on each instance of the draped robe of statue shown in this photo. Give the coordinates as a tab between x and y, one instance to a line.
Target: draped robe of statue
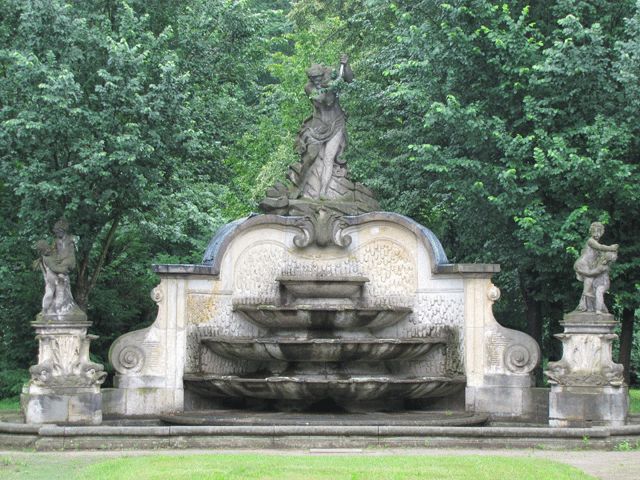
323	136
319	180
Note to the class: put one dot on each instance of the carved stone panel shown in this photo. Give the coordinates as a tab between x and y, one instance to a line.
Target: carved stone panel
587	353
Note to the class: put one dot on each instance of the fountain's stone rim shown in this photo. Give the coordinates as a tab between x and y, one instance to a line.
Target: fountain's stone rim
312	387
326	379
322	341
322	278
314	350
266	418
339	316
338	307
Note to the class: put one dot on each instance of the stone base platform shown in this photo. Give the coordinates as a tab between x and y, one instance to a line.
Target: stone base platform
71	407
146	434
574	406
247	418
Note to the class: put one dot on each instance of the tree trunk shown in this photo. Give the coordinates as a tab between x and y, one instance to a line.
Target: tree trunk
626	343
533	315
81	290
86	282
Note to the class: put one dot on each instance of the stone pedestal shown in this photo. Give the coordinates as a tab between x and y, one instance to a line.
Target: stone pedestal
65	384
587	387
499	361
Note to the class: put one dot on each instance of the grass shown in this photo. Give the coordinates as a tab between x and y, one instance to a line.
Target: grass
290	467
634	406
9	404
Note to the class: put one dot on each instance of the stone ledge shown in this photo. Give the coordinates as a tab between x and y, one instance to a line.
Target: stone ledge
52	437
314	430
469	268
184	269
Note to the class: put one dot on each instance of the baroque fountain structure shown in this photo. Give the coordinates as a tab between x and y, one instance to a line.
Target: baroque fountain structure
324	300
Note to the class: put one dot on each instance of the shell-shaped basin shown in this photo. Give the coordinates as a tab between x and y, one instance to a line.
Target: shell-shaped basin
325	317
318	387
321	349
303	289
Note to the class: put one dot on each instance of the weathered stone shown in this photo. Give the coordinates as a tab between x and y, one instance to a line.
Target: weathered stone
592	268
56	262
499	361
76	406
587	387
587	348
409	296
320	179
65	384
586	406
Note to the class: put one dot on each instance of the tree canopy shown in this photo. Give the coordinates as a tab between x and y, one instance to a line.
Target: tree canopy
506	127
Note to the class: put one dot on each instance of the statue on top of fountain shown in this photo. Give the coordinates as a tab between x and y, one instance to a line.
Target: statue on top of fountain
319	180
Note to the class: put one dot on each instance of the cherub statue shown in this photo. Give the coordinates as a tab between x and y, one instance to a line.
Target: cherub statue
56	262
592	268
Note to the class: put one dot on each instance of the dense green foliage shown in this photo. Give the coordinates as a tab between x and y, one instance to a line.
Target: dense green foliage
506	127
118	116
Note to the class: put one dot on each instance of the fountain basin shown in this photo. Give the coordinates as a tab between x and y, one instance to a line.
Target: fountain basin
326	317
307	290
319	387
321	349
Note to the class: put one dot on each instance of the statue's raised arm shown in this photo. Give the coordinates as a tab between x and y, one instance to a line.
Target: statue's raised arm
344	71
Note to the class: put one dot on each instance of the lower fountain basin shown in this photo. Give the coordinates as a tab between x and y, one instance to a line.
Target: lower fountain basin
322	317
319	387
264	418
321	349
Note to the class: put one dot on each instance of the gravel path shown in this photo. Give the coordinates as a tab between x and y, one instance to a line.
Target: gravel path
601	464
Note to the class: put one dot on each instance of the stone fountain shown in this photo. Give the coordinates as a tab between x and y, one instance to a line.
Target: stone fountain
324	299
320	344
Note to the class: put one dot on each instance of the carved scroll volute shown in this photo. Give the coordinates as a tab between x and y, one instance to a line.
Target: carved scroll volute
157	295
493	294
519	353
307	233
322	228
339	237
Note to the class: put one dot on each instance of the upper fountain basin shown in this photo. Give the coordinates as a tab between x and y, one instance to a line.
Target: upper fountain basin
305	290
322	317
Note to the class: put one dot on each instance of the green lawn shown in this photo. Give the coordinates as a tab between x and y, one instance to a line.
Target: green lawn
9	404
289	467
634	407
